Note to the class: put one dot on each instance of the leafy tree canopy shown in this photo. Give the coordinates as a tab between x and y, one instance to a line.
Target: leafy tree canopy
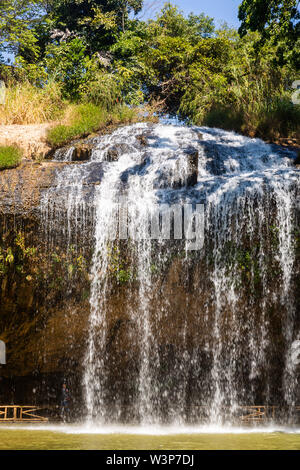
276	20
98	21
18	19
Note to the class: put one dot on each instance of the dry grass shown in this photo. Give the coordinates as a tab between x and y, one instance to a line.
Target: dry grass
27	104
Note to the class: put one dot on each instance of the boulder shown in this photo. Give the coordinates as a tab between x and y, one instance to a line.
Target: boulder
142	139
192	156
82	152
114	151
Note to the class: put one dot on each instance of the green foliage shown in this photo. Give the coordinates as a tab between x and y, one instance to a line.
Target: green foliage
270	17
118	266
86	119
281	119
67	62
102	90
247	93
10	157
152	59
17	20
181	64
277	21
98	22
17	256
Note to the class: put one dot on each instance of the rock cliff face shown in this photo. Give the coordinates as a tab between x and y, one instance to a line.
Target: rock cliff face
37	291
151	328
31	138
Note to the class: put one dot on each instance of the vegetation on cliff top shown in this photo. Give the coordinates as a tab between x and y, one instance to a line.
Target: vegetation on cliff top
83	119
91	55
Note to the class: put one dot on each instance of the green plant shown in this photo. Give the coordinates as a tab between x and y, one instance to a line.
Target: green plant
87	118
18	256
102	90
10	157
118	267
68	62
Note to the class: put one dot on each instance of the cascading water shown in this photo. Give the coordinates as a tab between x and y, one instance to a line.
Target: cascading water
178	334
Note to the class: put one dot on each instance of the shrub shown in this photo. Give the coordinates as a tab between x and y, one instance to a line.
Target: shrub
102	91
10	157
224	118
270	121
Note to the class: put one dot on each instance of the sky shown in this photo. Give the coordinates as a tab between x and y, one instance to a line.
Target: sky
221	10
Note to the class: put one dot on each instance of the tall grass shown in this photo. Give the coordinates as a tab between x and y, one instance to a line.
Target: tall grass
258	108
281	119
28	104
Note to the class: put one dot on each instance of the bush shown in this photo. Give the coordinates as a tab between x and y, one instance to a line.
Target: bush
102	91
280	119
224	118
10	157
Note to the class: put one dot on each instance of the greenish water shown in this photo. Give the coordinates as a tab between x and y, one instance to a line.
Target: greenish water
74	438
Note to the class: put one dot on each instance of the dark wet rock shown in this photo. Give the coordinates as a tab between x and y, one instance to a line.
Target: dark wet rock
193	157
81	153
20	188
113	153
214	160
93	173
180	176
142	139
297	159
137	169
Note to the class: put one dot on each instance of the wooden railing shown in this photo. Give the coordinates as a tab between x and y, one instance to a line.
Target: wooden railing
246	414
258	413
14	413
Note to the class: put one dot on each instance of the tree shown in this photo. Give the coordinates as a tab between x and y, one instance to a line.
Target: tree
17	22
68	63
277	21
165	54
123	8
98	21
276	17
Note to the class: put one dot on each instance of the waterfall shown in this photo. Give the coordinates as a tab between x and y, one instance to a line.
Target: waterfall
180	332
